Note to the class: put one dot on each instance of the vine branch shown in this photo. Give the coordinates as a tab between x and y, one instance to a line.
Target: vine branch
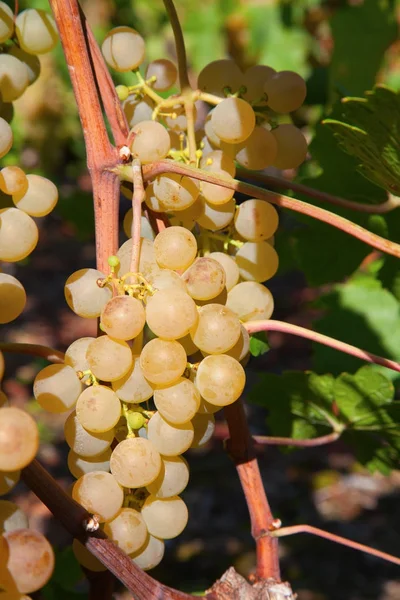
265	440
137	199
53	356
179	43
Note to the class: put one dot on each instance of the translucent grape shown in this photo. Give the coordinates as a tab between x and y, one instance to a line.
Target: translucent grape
175	192
171	313
31	62
254	80
11	517
173	478
286	91
78	465
169	440
137	109
86	558
123	317
123	49
83	295
251	301
147	261
218	161
163	361
259	151
220	379
19	438
133	387
109	359
100	494
135	462
204	427
166	279
39	198
165	517
215	217
75	355
14	77
217	330
150	555
98	409
128	530
233	120
36	31
177	403
13	180
256	220
8	481
83	442
220	75
230	267
6	137
151	141
257	261
175	248
204	279
18	234
152	201
217	194
57	388
6	22
145	227
12	298
292	147
28	561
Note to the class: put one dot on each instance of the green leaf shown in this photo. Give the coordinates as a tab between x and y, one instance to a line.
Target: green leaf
259	344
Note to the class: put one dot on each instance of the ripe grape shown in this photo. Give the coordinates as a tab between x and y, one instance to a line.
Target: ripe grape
171	313
168	439
177	403
8	481
123	49
128	530
78	465
292	146
28	560
56	388
175	192
18	234
36	31
14	77
31	62
165	518
233	120
19	438
163	361
147	261
123	317
12	298
13	180
6	22
204	426
83	295
100	494
215	217
6	137
165	73
251	301
39	198
109	359
175	248
286	91
220	379
151	141
219	75
254	79
217	330
218	161
86	558
11	516
172	479
204	279
214	193
133	387
256	220
75	355
257	261
98	409
259	150
83	442
135	462
167	279
230	267
137	109
150	555
152	201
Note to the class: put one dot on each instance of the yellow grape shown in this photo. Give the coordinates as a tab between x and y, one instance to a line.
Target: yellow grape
257	261
163	361
19	438
135	462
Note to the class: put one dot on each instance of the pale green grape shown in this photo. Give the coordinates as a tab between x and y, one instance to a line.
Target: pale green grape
98	409
83	442
100	494
133	387
14	77
31	62
217	330
286	91
257	261
123	317
6	137
171	313
57	388
259	151
12	298
39	198
219	75
215	217
83	295
175	192
251	301
165	518
123	49
233	120
18	234
36	31
13	180
292	147
151	141
19	438
150	555
11	517
177	403
220	379
109	359
78	465
204	427
230	267
163	361
204	279
128	530
175	248
135	462
168	439
173	477
6	22
256	220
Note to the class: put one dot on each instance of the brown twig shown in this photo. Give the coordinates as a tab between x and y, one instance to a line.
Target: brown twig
281	183
240	447
314	336
265	440
53	356
179	43
137	199
284	531
164	166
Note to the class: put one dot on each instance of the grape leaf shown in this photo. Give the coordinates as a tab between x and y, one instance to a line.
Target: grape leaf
258	344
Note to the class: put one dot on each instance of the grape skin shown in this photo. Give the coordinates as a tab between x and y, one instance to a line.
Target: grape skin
175	248
165	518
163	361
100	494
19	438
171	313
123	49
83	295
150	555
256	220
172	479
135	462
257	261
128	530
251	301
177	403
98	409
170	440
220	379
12	298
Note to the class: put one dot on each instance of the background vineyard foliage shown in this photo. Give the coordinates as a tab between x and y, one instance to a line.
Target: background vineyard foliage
342	48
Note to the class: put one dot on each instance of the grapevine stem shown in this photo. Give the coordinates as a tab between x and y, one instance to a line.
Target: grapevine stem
179	43
53	356
284	531
281	183
314	336
164	166
137	199
191	139
265	440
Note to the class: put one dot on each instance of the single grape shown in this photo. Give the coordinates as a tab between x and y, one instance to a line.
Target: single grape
8	480
151	141
36	31
286	91
254	80
259	151
217	330
86	558
175	248
123	317
215	217
11	516
168	439
133	387
31	62
98	409
75	355
19	438
233	120
6	137
257	261
173	477
171	313
218	161
18	234
57	388
13	180
109	359
145	227
292	146
83	442
230	267
14	77
220	76
137	109
39	198
150	555
175	192
177	403
6	22
167	279
165	518
251	301
128	530
217	194
205	278
163	361
123	48
78	465
256	220
100	494
83	295
147	261
204	427
135	462
220	379
12	298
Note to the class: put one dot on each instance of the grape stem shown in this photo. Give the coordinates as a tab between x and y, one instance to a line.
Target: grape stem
53	356
266	440
137	199
314	336
284	531
282	183
164	166
179	44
